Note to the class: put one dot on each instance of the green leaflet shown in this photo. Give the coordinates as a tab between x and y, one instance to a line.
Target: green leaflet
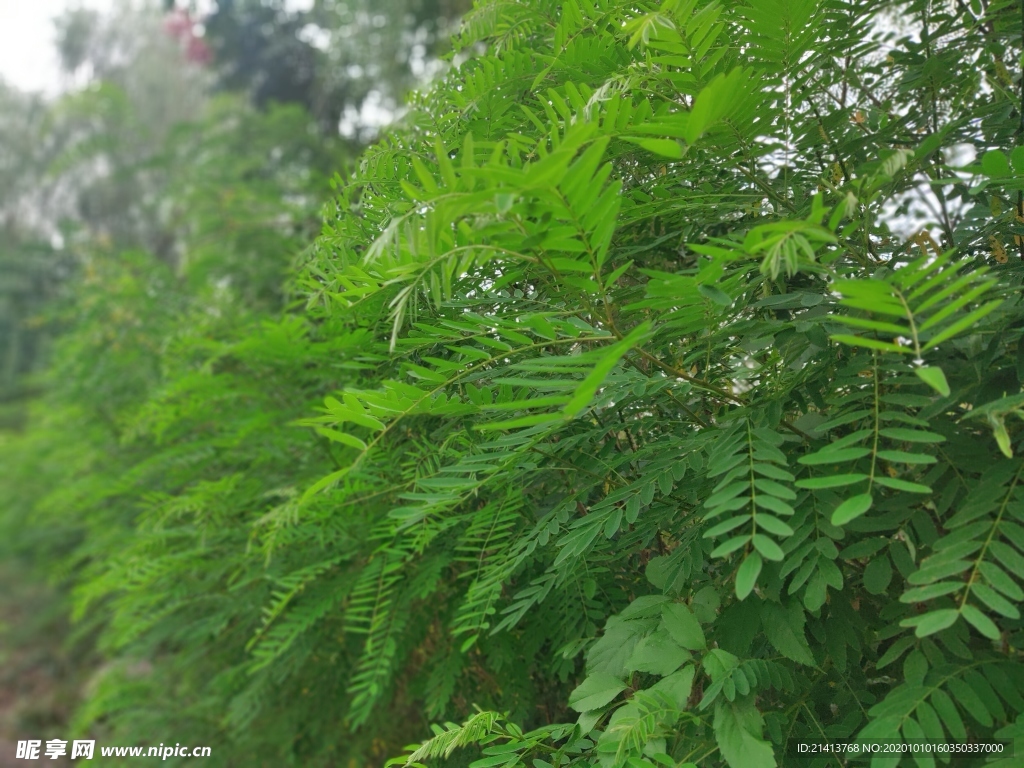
852	508
934	378
596	691
738	732
586	390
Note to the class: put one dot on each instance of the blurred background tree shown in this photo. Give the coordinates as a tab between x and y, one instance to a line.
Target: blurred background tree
30	265
97	164
86	167
148	216
347	62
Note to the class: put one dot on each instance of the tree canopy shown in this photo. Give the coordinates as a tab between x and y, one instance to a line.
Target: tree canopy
332	56
651	396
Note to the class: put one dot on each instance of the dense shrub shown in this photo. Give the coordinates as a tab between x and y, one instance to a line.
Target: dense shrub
658	379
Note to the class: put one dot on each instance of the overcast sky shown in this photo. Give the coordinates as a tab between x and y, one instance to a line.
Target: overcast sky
28	59
27	56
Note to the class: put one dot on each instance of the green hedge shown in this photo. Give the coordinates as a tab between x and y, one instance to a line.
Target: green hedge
648	398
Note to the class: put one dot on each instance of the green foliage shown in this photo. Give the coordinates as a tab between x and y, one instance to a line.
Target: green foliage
629	412
651	285
30	268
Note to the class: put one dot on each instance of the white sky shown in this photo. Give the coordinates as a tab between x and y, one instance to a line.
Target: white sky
27	56
28	59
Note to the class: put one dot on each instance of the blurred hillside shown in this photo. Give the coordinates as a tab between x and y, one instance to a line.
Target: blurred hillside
162	195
